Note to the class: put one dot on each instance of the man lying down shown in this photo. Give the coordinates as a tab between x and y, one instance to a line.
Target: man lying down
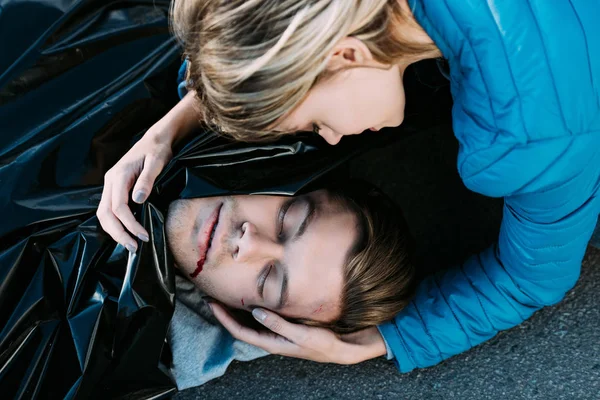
338	257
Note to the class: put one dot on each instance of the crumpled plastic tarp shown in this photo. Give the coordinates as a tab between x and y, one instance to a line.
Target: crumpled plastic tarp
80	81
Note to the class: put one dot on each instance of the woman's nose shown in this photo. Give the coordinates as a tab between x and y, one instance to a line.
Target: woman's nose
255	246
330	136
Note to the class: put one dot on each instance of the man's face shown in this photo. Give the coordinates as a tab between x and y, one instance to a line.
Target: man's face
286	254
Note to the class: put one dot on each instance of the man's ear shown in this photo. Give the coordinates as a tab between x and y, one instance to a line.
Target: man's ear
349	52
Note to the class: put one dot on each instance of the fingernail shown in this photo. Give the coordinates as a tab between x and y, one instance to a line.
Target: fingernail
143	237
211	307
259	314
139	196
130	247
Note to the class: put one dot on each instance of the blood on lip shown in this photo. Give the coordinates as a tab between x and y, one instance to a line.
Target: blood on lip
205	240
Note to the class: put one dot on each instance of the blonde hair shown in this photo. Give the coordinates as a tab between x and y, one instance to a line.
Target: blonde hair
253	61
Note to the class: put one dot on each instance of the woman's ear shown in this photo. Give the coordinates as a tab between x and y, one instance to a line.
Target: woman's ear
349	52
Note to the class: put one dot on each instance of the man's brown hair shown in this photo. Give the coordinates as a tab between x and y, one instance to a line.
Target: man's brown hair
379	276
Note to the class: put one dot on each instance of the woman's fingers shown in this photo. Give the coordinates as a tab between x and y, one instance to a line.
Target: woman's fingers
301	341
231	324
369	341
145	181
292	332
268	341
138	168
113	211
120	207
111	224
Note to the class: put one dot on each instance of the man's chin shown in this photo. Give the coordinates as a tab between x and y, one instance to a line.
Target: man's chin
181	270
205	285
186	272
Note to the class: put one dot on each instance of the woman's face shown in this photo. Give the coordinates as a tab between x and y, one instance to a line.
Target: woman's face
350	102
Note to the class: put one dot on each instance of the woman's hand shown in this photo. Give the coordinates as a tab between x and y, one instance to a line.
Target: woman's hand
140	166
301	341
138	169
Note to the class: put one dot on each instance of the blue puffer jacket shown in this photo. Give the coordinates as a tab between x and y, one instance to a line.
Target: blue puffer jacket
525	77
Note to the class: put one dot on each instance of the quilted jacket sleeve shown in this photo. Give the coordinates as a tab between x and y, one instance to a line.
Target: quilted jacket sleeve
527	117
181	82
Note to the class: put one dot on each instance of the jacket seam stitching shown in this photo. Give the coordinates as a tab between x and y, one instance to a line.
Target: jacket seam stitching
429	334
406	348
484	168
512	280
587	47
550	164
558	246
553	78
466	39
477	294
519	145
452	311
510	71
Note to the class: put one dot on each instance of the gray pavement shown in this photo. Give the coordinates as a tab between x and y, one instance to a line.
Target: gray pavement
554	355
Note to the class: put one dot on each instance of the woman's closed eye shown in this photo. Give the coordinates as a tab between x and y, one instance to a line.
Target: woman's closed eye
315	128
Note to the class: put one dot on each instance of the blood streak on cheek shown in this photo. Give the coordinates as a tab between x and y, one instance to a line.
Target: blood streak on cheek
199	266
242	301
318	310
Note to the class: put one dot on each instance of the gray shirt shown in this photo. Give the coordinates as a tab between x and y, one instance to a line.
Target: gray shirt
202	349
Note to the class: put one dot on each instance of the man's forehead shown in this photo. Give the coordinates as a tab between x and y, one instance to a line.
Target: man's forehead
329	202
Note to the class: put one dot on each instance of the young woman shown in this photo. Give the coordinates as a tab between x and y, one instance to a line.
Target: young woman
525	78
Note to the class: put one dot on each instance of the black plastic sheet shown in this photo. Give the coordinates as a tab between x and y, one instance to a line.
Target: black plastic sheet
80	81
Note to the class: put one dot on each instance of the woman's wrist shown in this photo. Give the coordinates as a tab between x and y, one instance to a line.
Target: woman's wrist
362	345
377	347
178	123
187	116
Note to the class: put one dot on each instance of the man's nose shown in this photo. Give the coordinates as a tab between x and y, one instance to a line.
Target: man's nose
255	246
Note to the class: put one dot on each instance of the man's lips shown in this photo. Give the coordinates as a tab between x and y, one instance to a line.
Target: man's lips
204	238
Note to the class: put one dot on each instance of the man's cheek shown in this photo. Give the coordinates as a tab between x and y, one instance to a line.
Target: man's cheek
204	283
233	293
218	286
